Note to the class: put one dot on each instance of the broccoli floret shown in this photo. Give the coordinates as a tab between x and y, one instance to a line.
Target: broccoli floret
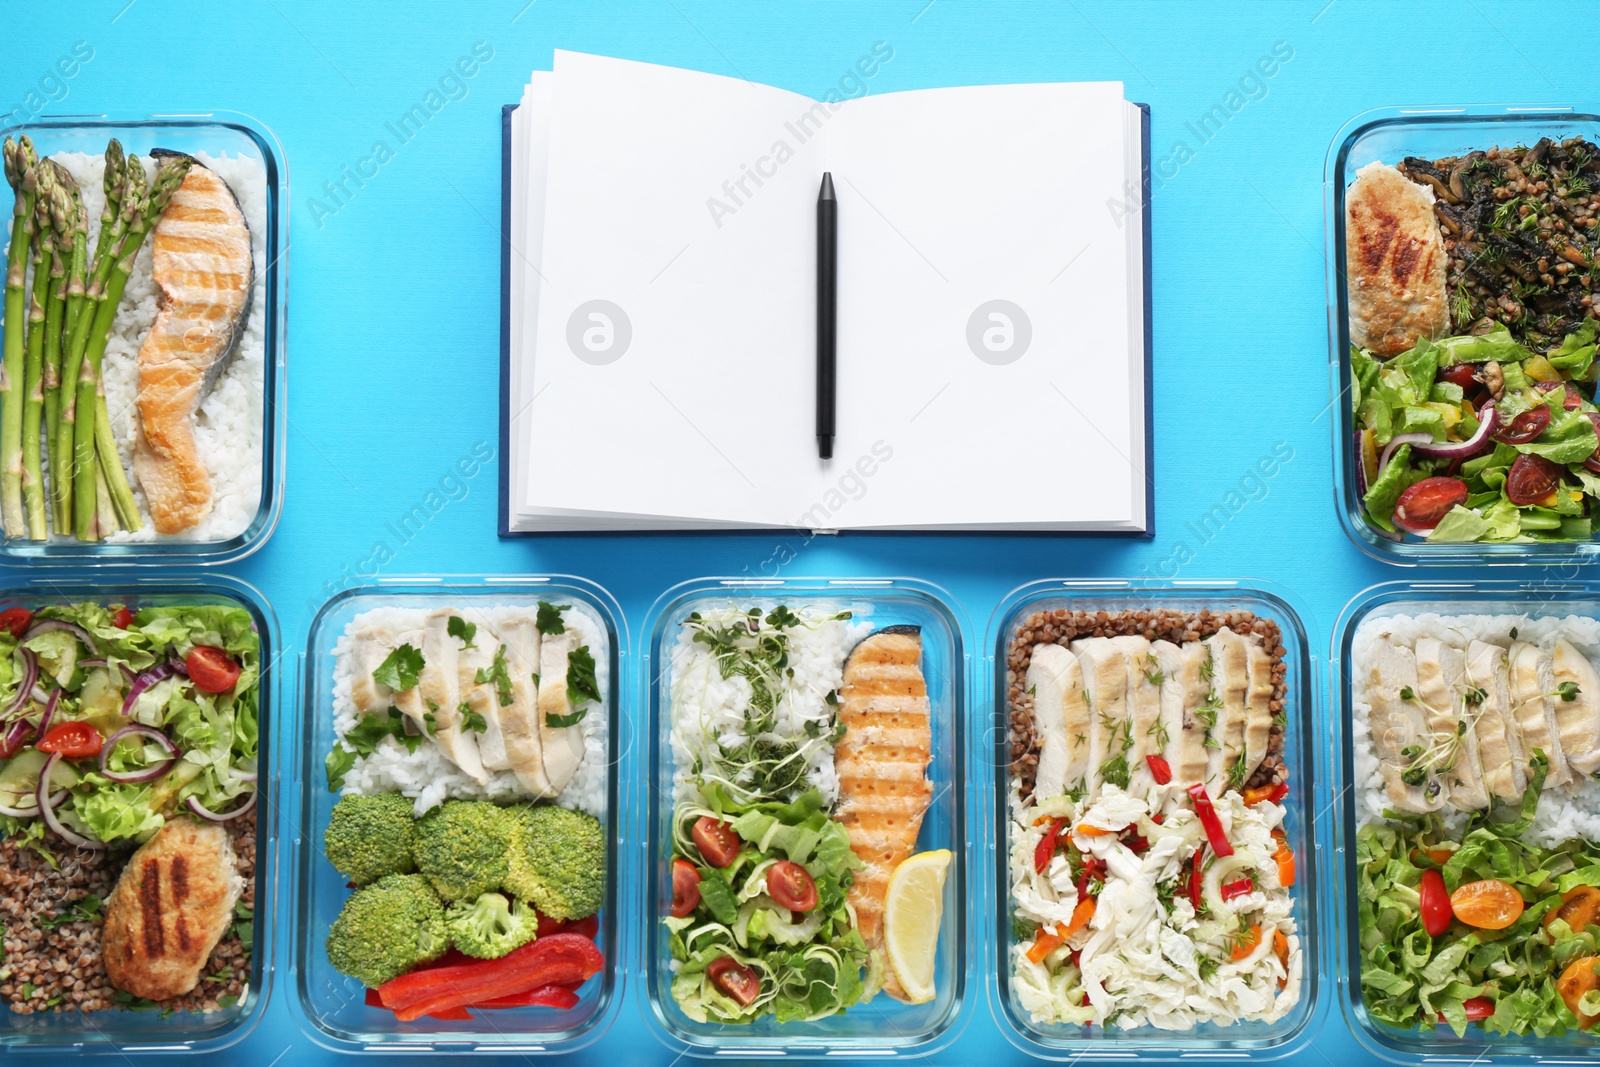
490	926
558	862
463	848
370	837
388	928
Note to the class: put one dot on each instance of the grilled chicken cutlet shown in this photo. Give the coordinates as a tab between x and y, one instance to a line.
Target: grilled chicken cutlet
171	906
1394	260
205	271
882	763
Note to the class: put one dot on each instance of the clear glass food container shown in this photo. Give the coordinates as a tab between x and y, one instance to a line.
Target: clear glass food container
331	1007
1389	135
123	1031
882	1027
1545	595
213	133
1241	1041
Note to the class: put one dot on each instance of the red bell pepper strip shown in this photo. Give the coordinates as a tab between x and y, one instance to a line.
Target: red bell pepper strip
549	996
455	1015
1046	847
1160	769
1241	888
560	959
1215	834
1196	876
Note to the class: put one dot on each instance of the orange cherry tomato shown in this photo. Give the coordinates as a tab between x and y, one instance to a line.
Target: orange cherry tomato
1580	907
1579	978
1489	904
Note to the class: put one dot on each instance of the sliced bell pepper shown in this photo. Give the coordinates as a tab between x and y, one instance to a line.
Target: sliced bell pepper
549	996
1242	888
1272	793
1045	941
1284	857
1095	831
1160	769
1216	836
1080	917
560	959
1046	847
1246	944
454	1015
1196	876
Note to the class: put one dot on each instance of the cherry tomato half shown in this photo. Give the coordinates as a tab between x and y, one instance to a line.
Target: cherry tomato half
1488	904
1531	480
1436	913
74	740
1478	1008
1421	506
735	979
211	669
1462	374
1569	400
15	621
122	619
1525	427
1579	908
717	841
1579	978
685	888
791	886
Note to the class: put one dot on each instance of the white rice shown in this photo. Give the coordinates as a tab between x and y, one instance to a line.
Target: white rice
428	775
228	426
1565	812
708	711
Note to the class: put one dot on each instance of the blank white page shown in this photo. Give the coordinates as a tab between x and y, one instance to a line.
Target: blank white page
651	206
950	199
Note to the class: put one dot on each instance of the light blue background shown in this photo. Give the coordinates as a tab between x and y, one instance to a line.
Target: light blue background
393	300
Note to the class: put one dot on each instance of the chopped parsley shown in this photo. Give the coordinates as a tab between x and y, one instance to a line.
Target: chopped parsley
1568	691
471	720
86	909
549	619
1407	693
459	627
582	687
496	673
363	740
400	668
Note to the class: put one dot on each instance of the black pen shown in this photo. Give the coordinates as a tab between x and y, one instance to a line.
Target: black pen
827	285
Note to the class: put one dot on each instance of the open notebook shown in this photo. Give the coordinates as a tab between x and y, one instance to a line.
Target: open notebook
659	306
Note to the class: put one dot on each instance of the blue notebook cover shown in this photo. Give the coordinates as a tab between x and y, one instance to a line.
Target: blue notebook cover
503	514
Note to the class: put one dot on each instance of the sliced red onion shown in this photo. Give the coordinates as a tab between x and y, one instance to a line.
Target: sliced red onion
144	681
1361	467
127	673
1394	446
49	712
1487	422
211	816
48	809
39	695
94	663
242	774
33	809
79	632
30	678
148	774
18	735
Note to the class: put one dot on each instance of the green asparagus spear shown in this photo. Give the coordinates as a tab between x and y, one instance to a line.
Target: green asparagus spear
66	211
91	430
44	254
77	303
20	164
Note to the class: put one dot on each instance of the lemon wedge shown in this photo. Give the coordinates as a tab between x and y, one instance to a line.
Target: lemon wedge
912	912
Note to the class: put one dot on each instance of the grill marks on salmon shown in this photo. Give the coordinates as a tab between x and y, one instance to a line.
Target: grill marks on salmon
204	270
882	761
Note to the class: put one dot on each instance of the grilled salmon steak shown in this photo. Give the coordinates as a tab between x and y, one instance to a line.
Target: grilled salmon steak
882	762
171	906
205	271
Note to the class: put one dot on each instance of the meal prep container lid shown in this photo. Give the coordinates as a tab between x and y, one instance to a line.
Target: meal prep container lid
213	132
1390	134
330	1007
122	1031
1307	804
1546	595
882	1028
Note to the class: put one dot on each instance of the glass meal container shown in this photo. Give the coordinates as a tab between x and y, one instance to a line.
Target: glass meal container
152	1030
1390	135
248	499
1539	598
1241	1040
331	1007
882	1027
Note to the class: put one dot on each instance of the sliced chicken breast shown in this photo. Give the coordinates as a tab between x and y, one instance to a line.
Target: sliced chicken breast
1441	690
1499	742
1531	675
1230	678
1257	708
519	720
1578	719
479	697
409	701
561	746
1105	685
440	688
1144	711
1053	679
1400	734
1184	688
370	648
